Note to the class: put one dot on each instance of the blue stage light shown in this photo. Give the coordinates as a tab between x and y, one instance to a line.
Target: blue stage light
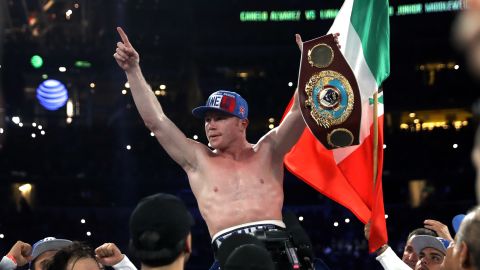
52	94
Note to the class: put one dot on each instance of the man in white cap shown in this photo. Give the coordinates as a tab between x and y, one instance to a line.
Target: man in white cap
45	249
431	251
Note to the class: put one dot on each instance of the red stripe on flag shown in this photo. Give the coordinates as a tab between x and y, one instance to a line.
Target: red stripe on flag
350	183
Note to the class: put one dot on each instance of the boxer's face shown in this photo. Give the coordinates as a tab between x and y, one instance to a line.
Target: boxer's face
223	129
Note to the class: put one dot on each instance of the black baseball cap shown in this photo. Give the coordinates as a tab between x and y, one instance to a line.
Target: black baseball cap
244	252
164	214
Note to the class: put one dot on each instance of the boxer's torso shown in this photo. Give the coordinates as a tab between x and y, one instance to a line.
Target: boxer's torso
232	192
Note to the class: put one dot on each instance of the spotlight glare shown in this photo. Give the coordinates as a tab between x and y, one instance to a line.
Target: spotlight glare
195	137
384	146
16	119
34	135
89	233
300	218
290	84
129	147
335	224
456	67
92	85
386	216
42	132
69	120
82	221
20	124
1	130
25	188
2	235
127	85
152	134
455	146
347	220
34	124
62	69
163	87
124	92
40	127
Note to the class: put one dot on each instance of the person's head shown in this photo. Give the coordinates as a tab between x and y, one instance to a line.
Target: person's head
409	256
244	252
226	118
464	251
44	250
431	251
160	230
77	256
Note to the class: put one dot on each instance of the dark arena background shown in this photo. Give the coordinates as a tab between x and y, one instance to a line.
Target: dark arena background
78	171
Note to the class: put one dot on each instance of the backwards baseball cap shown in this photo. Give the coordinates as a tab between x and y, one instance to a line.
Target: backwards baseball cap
48	244
419	242
224	101
165	215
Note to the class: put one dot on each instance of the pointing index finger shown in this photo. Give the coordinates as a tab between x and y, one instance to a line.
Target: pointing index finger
123	36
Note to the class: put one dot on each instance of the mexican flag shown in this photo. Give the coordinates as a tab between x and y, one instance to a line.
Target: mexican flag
347	175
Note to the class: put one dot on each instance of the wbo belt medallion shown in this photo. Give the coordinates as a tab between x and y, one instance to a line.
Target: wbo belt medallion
328	94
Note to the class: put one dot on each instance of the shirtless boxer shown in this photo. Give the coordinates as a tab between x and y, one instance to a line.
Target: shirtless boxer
238	185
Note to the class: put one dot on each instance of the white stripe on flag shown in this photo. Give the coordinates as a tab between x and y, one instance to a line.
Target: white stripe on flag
352	49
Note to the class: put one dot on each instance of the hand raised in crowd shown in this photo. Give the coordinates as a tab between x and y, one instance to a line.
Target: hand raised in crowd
438	227
108	254
125	55
21	253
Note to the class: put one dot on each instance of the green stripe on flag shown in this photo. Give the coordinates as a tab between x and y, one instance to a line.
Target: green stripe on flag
380	100
371	21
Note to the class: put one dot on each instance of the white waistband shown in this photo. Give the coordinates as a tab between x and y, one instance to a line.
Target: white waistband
278	223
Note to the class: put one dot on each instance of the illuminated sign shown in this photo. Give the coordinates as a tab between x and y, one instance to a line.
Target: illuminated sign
326	14
409	9
52	94
288	15
82	64
254	16
330	14
443	6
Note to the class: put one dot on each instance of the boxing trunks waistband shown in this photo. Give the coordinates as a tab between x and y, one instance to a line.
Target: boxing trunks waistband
247	228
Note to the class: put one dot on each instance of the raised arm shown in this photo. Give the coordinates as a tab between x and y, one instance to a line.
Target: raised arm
286	135
178	146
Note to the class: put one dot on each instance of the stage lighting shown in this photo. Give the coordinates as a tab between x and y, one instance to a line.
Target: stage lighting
36	61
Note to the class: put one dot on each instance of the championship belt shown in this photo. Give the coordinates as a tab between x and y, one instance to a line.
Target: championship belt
328	94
